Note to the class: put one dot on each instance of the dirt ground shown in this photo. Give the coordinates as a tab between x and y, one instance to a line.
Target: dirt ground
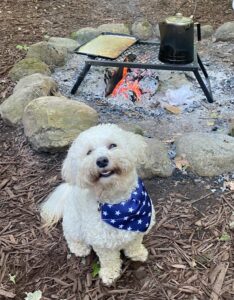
190	247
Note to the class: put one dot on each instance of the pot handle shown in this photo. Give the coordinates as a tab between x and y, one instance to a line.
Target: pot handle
198	31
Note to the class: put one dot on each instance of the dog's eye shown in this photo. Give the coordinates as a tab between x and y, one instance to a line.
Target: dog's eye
112	146
89	152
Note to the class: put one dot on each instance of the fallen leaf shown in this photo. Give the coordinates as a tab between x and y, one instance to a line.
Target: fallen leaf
178	266
12	278
37	295
7	294
210	123
230	185
181	162
172	109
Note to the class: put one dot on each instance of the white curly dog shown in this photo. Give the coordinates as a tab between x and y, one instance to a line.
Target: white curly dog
100	180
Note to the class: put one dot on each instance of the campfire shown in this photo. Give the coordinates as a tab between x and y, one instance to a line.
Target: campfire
130	84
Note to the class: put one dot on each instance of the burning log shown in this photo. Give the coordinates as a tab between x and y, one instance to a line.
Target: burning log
112	78
130	83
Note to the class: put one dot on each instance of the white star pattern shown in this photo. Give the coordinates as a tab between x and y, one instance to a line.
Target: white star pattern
132	214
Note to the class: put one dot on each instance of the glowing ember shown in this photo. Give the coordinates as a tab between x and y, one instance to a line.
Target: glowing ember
128	86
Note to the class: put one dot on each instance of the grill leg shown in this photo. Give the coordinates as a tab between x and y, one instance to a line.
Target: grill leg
80	78
206	88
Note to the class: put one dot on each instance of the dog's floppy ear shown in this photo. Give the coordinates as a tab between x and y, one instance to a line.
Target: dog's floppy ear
70	168
137	146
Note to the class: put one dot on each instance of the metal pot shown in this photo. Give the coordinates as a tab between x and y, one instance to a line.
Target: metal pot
177	40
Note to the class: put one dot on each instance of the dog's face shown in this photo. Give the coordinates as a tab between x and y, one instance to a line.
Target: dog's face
103	155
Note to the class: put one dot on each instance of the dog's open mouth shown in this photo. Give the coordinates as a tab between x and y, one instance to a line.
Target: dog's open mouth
106	173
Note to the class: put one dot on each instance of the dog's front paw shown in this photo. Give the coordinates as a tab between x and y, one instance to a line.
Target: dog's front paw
108	275
137	254
79	249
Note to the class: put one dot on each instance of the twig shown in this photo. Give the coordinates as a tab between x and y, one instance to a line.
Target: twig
219	281
203	197
227	202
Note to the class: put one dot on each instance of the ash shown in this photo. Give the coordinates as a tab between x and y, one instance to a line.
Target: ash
162	88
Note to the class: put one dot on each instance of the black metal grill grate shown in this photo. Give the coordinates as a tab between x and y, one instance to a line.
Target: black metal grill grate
146	53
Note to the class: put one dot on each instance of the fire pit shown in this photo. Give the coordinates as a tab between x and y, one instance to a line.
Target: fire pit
146	57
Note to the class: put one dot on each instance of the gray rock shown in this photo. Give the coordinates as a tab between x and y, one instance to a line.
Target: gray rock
158	162
28	66
66	43
225	32
49	54
156	31
37	80
84	35
208	154
135	128
114	28
142	29
231	127
206	31
52	123
26	90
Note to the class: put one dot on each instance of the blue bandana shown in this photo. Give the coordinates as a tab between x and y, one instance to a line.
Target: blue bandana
133	214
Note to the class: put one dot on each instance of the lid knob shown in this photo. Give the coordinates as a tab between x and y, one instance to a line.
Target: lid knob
179	15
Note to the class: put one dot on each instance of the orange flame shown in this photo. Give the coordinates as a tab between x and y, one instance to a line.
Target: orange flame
124	86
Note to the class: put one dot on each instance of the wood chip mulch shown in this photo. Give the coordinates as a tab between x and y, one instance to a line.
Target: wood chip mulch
191	251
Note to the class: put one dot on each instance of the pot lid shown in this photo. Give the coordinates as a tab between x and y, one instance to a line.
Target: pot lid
178	19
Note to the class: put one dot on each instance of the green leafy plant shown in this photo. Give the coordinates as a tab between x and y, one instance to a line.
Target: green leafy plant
225	237
95	268
22	47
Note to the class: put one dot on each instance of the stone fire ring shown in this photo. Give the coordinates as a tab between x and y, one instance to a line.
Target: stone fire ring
51	121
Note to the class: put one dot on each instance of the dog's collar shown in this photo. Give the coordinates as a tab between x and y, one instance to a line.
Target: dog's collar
133	214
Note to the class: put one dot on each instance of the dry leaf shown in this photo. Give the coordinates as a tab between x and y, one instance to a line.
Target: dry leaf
210	123
181	162
179	266
230	185
172	109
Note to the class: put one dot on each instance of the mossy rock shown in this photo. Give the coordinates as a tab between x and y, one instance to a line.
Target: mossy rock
85	35
142	29
50	54
28	66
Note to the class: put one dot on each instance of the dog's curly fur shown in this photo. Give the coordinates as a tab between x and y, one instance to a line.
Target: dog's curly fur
86	185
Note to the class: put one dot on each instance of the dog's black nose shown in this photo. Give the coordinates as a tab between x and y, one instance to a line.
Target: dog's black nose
102	162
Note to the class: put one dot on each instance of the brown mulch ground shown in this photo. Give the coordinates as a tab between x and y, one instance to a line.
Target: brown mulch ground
187	259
